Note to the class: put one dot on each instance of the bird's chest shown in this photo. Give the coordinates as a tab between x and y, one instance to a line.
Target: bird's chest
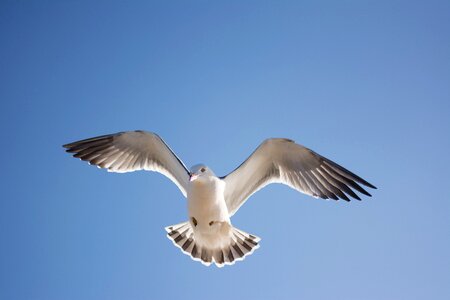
206	204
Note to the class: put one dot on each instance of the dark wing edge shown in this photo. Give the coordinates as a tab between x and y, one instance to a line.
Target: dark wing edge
284	161
130	151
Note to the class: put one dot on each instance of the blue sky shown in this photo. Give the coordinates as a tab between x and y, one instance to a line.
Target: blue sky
365	83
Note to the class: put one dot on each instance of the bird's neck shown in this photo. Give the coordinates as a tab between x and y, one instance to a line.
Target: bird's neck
204	187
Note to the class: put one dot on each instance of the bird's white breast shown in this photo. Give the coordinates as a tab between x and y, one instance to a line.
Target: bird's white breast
206	203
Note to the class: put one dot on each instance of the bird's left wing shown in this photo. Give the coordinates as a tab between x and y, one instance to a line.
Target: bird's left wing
131	151
283	161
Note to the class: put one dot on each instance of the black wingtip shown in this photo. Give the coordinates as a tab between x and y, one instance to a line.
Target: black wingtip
69	148
344	197
363	191
369	184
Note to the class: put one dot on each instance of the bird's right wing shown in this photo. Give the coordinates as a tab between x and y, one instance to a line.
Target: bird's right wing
131	151
284	161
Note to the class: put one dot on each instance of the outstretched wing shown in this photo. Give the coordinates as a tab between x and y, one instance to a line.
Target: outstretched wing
283	161
131	151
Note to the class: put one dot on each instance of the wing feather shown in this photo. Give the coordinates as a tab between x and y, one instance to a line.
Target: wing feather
283	161
131	151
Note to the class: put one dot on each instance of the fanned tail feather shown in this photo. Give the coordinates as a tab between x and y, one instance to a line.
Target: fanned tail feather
240	245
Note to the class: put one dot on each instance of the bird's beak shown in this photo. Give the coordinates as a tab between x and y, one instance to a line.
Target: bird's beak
192	176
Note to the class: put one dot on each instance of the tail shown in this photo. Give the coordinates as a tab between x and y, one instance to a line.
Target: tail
238	244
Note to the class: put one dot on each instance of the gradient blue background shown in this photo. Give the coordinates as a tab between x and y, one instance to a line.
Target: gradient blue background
365	83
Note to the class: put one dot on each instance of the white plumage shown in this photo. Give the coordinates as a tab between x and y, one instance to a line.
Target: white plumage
208	236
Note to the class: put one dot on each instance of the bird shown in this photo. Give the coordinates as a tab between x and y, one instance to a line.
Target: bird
208	235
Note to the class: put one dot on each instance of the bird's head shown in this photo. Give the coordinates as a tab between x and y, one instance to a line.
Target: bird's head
200	172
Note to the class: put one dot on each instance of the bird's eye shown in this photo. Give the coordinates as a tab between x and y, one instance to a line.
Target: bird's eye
202	170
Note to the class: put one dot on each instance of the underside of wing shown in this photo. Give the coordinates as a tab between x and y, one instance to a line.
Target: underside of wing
131	151
283	161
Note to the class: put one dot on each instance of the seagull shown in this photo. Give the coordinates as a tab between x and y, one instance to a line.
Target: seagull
208	236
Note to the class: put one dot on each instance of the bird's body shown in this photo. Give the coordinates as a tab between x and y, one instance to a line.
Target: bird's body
206	202
207	210
208	235
213	238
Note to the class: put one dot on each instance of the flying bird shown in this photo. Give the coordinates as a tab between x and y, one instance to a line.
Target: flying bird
208	235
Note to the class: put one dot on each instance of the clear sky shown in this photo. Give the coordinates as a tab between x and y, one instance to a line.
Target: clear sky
365	83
